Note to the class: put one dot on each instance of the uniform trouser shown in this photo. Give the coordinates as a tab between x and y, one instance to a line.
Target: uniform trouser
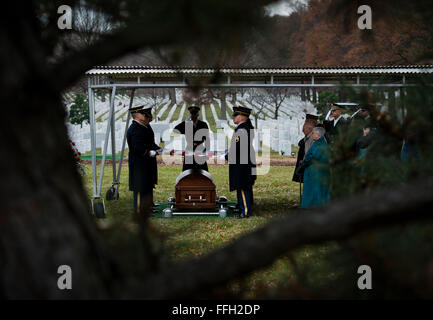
245	201
143	202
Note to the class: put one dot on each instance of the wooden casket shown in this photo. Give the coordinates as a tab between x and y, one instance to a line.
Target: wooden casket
195	189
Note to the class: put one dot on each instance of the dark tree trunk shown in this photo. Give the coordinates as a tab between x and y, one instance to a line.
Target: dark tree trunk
302	93
45	222
223	105
172	94
44	216
234	96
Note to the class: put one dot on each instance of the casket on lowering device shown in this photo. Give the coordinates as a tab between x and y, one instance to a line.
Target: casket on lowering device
195	189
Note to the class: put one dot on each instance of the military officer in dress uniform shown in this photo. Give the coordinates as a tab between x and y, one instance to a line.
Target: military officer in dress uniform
242	161
335	124
197	139
143	172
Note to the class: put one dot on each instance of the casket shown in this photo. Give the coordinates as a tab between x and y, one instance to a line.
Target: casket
195	189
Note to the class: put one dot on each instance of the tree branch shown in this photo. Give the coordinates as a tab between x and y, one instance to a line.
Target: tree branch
185	23
127	40
259	249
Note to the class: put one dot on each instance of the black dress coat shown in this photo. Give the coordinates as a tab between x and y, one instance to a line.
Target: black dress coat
242	165
332	131
192	145
298	175
143	171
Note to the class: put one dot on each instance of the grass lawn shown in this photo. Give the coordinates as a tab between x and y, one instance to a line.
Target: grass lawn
209	118
185	237
166	112
176	112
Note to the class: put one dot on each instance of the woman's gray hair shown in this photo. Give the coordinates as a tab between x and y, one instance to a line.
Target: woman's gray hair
319	130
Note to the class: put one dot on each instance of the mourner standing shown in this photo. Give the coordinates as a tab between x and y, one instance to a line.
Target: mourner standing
197	138
304	145
242	162
316	175
143	172
335	124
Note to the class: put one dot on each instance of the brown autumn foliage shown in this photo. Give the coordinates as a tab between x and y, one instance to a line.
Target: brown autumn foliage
322	33
328	37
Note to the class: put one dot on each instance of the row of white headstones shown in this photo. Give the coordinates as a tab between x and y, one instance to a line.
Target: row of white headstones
279	134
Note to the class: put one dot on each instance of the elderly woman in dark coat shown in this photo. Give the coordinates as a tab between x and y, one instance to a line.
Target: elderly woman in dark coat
316	175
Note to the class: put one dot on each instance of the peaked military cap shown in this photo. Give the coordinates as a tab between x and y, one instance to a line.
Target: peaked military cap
335	106
367	106
193	109
142	109
311	117
241	111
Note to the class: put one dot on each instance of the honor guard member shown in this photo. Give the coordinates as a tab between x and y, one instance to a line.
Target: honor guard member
143	172
242	161
304	145
335	123
197	139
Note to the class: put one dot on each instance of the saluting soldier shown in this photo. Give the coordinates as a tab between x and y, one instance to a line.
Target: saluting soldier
335	124
143	171
242	161
197	139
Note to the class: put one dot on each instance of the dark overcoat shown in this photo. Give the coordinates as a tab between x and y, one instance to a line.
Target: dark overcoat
192	145
143	172
332	131
241	157
298	175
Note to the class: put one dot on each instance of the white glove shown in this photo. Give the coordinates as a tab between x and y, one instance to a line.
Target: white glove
222	157
152	153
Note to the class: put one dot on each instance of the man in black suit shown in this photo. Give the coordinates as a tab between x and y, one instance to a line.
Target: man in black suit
143	172
242	161
197	139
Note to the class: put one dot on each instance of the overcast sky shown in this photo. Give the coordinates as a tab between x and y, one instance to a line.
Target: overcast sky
283	7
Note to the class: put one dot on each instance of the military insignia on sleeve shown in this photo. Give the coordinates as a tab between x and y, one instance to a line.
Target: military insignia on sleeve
237	138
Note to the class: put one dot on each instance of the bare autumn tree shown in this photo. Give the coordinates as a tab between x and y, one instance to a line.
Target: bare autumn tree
257	97
44	211
276	97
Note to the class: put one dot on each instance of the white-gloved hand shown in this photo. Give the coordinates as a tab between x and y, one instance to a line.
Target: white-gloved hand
152	153
222	157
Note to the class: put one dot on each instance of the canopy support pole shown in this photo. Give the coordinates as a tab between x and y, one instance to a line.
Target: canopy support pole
128	117
107	135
